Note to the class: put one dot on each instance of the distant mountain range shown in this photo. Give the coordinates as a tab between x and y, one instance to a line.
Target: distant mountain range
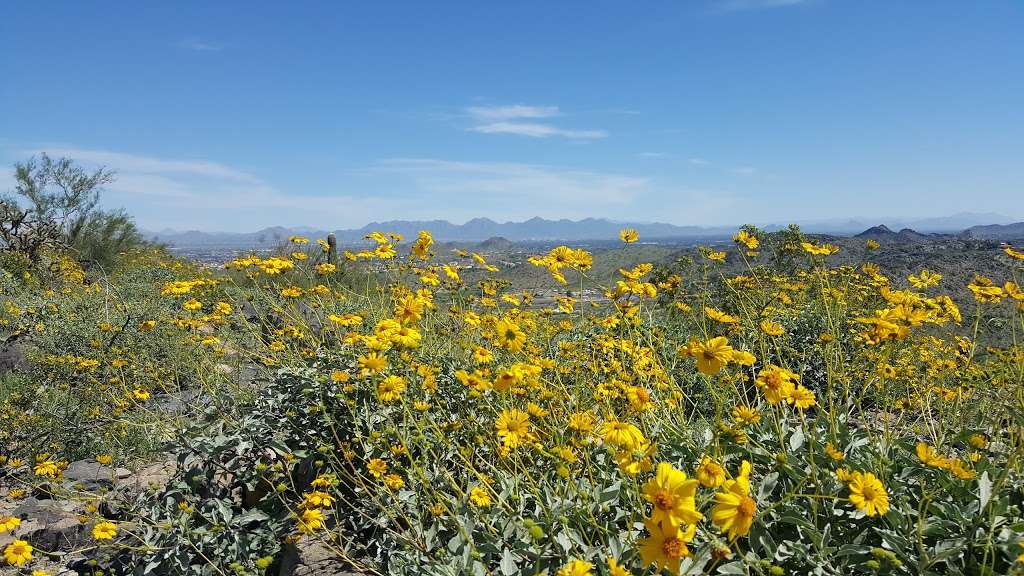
989	226
997	231
883	232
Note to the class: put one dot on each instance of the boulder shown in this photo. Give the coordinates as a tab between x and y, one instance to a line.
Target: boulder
50	525
90	476
152	476
312	557
13	357
118	501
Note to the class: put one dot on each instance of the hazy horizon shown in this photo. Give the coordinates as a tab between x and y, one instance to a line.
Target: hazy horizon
934	223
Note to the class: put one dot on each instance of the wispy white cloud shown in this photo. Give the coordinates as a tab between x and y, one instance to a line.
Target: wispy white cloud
203	194
513	112
698	161
653	155
513	182
133	163
738	5
535	130
208	195
197	45
513	119
459	190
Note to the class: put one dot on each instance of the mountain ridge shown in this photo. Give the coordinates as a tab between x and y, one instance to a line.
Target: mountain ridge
541	229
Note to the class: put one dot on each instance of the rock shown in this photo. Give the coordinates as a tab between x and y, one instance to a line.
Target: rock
176	403
43	511
89	475
152	476
50	525
41	563
130	485
12	357
311	557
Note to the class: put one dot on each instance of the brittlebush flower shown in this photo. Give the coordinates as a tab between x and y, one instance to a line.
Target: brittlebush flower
575	568
18	553
509	336
616	569
629	235
711	356
868	494
833	453
672	495
316	499
772	328
582	422
777	383
48	468
480	497
802	398
710	474
9	523
104	531
822	250
746	415
734	509
394	481
747	239
391	388
372	363
622	434
377	467
311	520
637	460
513	428
666	546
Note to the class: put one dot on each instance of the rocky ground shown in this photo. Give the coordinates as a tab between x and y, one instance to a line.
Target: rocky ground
56	519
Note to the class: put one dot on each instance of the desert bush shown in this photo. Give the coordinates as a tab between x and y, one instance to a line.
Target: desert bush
111	372
54	205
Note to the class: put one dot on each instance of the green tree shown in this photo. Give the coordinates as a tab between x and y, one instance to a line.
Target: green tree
54	205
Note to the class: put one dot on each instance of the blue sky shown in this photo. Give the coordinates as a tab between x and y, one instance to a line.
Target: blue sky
238	115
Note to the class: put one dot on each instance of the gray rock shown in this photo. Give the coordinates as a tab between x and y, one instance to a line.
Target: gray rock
89	475
176	402
152	476
13	357
50	525
312	557
118	501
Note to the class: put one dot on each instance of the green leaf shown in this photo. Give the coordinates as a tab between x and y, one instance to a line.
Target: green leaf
611	493
984	489
732	568
797	439
508	563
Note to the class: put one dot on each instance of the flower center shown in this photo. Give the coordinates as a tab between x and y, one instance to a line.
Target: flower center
664	501
748	507
673	548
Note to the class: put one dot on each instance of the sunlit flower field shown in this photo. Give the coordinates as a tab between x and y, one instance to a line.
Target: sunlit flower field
406	413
